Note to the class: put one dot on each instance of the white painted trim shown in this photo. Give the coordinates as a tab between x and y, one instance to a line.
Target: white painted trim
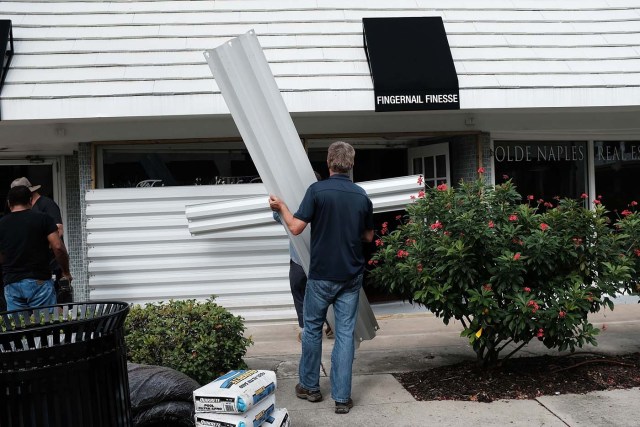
492	161
431	150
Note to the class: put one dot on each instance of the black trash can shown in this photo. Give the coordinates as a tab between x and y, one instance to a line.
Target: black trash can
64	365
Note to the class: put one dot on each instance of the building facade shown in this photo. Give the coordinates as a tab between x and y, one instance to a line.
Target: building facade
112	108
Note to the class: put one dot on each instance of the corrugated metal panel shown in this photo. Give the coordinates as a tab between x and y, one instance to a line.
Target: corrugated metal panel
252	95
211	218
258	110
59	45
140	250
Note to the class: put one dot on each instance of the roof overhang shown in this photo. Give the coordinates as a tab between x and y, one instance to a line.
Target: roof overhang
411	64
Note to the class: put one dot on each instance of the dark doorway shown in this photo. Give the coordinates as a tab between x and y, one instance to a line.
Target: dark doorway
38	174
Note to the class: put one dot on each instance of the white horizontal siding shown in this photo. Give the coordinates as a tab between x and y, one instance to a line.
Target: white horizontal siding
140	250
130	58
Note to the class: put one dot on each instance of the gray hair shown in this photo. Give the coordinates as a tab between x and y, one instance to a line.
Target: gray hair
340	157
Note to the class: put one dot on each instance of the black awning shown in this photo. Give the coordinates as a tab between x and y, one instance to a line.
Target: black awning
6	50
411	64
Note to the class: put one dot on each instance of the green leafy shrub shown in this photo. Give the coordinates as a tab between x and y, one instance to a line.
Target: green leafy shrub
509	272
200	339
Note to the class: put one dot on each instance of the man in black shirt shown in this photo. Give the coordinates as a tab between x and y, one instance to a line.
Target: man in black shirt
25	239
43	204
40	203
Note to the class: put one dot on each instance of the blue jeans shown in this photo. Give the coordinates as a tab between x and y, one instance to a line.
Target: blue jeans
344	297
29	293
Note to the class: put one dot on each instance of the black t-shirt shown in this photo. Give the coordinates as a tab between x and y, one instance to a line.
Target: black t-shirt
47	206
24	245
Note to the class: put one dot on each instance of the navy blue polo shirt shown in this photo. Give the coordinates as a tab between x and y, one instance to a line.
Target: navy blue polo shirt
339	212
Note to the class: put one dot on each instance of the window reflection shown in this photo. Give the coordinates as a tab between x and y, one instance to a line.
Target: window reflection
543	169
122	168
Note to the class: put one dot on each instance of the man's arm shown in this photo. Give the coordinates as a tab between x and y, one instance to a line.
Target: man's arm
367	236
60	252
295	225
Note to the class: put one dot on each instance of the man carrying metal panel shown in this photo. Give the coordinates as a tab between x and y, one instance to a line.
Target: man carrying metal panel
341	218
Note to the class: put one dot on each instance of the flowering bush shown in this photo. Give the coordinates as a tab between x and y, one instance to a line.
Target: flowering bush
509	272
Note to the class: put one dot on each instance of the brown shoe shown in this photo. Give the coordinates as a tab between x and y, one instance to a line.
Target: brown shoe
300	336
311	396
343	408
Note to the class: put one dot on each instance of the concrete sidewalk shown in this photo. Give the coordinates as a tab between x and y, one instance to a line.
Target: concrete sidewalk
415	341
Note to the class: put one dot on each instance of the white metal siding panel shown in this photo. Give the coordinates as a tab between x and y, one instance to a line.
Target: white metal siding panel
140	250
211	218
129	58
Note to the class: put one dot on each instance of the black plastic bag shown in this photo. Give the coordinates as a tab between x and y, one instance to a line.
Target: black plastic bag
160	396
166	414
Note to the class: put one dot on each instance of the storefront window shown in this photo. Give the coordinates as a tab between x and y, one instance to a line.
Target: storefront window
543	169
166	166
617	171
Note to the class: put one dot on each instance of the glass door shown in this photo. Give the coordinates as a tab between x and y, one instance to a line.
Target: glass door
432	162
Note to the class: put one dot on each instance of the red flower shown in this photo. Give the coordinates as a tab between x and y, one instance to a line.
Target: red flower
491	224
419	268
517	241
577	241
626	212
516	256
441	187
530	197
447	233
486	287
540	201
436	225
480	170
561	314
373	262
402	254
412	197
544	227
385	228
409	242
420	181
584	196
534	306
513	217
420	194
540	333
379	242
633	203
398	217
505	176
637	252
548	205
599	197
526	289
596	202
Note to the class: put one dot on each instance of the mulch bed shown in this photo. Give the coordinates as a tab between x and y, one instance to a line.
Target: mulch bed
525	377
